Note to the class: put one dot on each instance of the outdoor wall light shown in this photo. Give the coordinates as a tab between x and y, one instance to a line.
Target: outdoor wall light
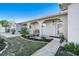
43	25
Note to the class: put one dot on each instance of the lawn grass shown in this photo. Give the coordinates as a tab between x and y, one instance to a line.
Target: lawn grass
21	47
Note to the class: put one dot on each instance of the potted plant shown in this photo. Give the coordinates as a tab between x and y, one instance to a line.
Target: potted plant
13	31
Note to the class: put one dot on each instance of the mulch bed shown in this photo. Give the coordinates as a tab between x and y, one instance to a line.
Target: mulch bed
47	40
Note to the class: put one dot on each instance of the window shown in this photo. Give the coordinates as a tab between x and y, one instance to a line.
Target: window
36	32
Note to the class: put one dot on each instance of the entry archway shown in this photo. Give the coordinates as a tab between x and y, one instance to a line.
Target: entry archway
34	28
51	27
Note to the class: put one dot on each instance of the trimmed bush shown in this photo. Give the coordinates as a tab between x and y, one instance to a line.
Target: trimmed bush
7	30
61	38
24	32
43	38
13	31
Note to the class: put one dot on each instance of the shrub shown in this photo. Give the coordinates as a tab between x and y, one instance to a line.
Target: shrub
7	30
66	47
74	48
24	32
61	38
43	38
13	31
71	47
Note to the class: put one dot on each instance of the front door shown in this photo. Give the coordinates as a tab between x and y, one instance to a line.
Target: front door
59	28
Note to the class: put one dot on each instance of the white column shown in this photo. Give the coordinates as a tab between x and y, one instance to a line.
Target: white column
64	18
40	27
28	24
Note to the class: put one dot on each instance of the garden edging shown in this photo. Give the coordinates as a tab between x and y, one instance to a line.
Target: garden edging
33	40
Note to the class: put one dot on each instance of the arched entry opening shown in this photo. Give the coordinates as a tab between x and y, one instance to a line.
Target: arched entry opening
59	27
34	28
52	27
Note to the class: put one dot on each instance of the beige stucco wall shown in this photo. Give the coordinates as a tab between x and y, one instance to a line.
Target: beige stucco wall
35	26
51	28
64	18
73	23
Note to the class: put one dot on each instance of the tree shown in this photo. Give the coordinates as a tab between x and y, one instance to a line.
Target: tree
5	24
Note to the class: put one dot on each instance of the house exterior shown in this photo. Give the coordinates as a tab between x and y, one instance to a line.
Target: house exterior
48	26
12	25
66	22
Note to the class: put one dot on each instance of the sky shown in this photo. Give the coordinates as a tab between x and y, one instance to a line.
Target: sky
20	12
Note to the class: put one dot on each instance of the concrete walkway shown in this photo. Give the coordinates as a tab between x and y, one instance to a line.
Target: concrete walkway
49	50
8	35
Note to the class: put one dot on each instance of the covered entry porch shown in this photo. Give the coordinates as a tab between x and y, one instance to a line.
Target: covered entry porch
52	28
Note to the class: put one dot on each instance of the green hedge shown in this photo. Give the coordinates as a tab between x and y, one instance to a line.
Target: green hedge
61	38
